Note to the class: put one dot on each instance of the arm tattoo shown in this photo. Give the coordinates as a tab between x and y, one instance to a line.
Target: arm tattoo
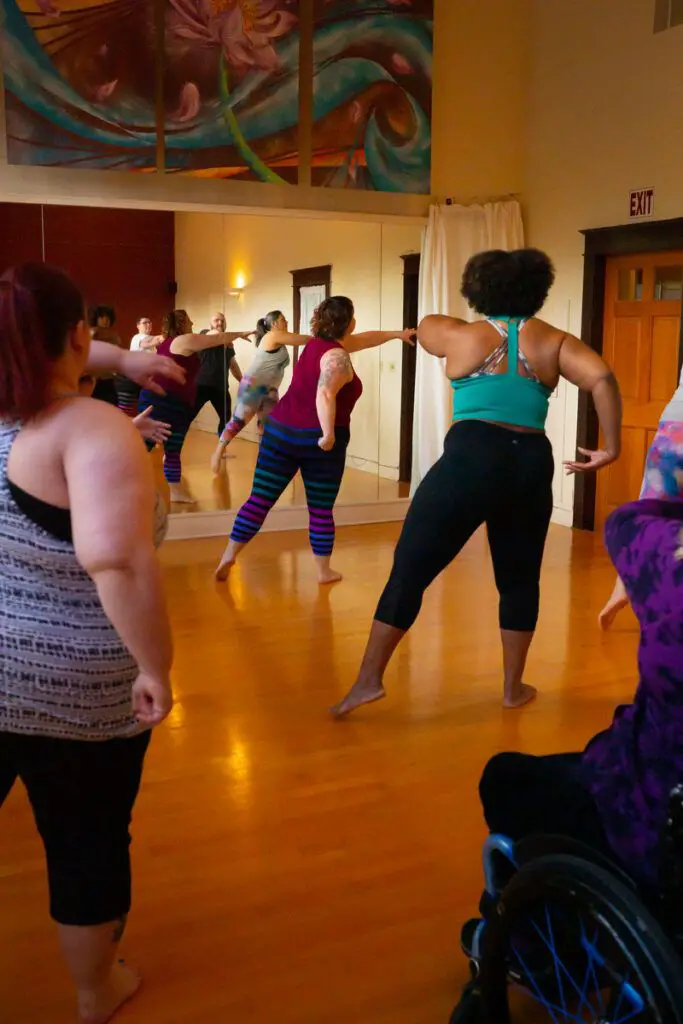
334	365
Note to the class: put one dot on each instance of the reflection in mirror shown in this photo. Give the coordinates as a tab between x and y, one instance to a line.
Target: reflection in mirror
240	265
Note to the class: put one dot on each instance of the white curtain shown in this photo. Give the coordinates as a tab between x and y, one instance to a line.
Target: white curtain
453	234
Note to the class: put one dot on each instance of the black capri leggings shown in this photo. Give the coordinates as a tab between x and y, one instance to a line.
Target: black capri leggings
487	474
82	795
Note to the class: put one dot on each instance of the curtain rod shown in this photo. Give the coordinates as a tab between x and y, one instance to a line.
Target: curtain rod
482	201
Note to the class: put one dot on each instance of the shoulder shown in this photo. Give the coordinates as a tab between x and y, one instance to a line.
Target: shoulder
336	360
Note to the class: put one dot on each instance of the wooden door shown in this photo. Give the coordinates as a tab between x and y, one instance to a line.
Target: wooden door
641	342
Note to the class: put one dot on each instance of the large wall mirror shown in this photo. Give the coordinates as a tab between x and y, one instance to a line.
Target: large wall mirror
241	267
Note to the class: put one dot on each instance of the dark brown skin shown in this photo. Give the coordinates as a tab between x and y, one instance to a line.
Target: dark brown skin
551	353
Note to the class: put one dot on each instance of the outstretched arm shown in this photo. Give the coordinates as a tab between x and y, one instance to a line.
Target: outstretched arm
436	333
372	339
580	365
188	344
142	367
335	371
276	339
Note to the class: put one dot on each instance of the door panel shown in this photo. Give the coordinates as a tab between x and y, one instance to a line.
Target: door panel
641	340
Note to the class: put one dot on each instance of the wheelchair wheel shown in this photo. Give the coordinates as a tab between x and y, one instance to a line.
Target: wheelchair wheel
582	946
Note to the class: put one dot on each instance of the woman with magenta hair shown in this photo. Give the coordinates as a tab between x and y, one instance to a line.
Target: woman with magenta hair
78	566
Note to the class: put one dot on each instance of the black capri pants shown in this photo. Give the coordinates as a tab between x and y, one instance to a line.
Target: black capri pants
82	795
487	474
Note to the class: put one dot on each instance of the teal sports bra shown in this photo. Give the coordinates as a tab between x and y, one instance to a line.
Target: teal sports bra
511	397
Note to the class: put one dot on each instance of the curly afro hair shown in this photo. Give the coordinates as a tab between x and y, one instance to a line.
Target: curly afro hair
95	312
501	283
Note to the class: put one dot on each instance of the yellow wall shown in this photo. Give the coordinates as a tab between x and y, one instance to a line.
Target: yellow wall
605	116
481	65
212	249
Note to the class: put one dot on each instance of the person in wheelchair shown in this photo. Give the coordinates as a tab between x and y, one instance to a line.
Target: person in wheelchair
576	835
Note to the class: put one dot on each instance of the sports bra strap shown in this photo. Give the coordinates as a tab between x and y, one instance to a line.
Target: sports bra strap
511	336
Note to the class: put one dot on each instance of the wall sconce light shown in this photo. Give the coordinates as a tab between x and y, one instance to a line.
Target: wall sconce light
240	284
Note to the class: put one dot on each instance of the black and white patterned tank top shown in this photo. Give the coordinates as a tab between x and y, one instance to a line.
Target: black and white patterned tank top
64	671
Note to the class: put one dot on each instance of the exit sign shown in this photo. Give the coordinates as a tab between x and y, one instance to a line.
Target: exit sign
641	203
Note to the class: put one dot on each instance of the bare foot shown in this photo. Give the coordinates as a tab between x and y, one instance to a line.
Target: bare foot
102	1007
523	696
359	694
216	462
223	570
329	576
179	495
611	610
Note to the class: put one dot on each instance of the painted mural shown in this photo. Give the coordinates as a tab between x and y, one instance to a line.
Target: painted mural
81	85
232	88
373	94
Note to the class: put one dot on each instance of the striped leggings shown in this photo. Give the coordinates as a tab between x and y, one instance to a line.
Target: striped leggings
284	451
128	394
169	409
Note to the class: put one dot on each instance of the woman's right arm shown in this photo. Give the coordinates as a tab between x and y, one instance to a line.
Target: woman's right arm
580	365
111	496
188	344
277	339
436	333
335	371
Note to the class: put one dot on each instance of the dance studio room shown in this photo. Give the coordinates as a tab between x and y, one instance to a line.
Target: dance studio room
341	511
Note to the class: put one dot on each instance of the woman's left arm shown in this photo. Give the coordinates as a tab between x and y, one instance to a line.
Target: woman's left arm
141	367
335	371
235	369
278	339
372	339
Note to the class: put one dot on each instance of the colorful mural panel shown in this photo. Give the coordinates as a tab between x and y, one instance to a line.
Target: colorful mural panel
373	94
80	83
232	88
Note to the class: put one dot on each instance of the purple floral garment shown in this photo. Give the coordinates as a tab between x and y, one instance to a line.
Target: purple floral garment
632	767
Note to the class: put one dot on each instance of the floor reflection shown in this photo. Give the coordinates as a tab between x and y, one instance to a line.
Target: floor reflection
231	488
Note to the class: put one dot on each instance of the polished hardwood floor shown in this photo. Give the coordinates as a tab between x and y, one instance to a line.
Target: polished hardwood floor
231	488
295	869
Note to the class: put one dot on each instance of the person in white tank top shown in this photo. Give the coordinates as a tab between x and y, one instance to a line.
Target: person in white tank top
663	479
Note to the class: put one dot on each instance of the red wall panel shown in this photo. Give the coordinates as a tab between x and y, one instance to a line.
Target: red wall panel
119	258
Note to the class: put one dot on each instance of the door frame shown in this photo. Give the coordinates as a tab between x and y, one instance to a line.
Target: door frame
601	243
411	275
305	278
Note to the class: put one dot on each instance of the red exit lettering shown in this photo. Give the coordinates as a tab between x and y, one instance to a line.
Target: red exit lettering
642	202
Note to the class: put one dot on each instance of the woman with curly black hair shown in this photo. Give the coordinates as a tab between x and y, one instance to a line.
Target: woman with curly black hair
497	465
101	320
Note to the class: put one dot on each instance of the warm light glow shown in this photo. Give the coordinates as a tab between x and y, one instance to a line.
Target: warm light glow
240	280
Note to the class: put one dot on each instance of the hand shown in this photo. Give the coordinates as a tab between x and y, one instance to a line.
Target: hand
144	367
217	460
409	336
152	699
326	442
596	460
152	430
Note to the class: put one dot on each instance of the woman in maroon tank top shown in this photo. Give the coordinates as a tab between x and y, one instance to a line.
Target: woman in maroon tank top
308	431
176	407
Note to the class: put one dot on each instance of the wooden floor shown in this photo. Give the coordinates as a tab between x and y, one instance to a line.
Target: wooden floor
231	489
293	869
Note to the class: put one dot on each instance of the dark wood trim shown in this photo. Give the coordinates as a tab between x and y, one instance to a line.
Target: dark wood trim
411	274
305	278
601	243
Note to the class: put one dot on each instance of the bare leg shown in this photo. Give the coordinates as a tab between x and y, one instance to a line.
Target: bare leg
228	560
618	600
368	687
180	496
325	573
103	986
515	650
